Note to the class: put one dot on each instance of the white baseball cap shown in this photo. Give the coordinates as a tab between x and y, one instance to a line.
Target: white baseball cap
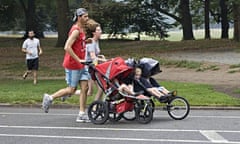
79	12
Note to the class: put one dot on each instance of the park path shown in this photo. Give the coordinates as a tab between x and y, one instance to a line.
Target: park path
221	79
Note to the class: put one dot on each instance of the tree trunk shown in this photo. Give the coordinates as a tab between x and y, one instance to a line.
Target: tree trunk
30	23
63	22
206	17
186	20
30	17
236	17
224	19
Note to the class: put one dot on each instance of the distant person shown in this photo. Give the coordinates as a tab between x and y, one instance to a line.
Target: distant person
94	32
31	47
76	73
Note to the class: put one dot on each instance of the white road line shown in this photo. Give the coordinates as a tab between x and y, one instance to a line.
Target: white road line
223	117
213	136
113	129
116	139
106	138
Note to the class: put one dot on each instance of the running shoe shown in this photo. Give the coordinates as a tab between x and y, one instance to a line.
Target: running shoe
25	75
82	118
46	102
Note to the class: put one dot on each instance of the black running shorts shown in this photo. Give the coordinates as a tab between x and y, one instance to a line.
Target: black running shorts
32	64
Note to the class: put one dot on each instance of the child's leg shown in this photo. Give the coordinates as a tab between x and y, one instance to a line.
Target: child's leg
125	88
155	92
163	90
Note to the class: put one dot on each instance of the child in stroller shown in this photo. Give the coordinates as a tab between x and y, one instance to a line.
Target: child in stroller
150	86
141	78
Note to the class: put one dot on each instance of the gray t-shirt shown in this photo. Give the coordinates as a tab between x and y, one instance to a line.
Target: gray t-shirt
92	47
32	46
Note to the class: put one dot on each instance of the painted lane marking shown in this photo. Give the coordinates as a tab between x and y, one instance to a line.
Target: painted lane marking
105	138
223	117
117	139
213	136
115	129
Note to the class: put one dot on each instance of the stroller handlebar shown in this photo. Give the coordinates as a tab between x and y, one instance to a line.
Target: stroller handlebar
87	62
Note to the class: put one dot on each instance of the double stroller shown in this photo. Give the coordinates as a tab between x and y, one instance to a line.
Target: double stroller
177	106
115	102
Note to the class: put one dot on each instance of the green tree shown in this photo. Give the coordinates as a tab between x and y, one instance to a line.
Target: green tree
145	18
221	10
120	17
63	20
31	18
224	18
236	16
112	15
198	8
8	14
207	19
178	10
18	15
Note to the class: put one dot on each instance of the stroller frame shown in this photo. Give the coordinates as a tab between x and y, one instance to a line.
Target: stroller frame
116	103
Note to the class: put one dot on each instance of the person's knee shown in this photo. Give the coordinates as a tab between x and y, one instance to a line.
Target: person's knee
71	90
84	86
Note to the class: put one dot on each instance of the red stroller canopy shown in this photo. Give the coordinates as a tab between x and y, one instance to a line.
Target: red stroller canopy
114	68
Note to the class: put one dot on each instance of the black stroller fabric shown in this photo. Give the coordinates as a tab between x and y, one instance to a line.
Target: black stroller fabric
149	67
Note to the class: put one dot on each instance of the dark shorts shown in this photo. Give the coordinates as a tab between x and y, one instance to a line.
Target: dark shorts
32	64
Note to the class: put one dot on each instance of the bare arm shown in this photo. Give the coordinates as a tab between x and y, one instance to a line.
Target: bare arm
68	46
100	58
40	50
25	51
93	55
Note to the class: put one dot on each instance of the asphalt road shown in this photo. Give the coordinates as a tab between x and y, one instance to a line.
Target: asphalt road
32	126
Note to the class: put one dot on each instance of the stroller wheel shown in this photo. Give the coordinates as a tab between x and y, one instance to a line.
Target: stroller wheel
114	117
152	105
178	108
144	113
129	115
98	112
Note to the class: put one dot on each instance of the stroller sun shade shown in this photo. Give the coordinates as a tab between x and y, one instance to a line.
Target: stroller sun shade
114	68
149	67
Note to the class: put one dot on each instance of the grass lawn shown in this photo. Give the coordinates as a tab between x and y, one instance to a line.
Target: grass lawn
16	91
24	92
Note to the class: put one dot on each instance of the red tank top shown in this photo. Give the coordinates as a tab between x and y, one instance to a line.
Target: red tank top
79	49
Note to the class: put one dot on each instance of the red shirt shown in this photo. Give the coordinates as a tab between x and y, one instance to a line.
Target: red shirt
79	49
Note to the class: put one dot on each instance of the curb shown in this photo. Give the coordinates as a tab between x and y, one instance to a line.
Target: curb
62	106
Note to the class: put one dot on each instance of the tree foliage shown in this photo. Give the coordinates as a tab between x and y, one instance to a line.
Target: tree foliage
9	10
128	16
146	18
122	16
178	10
